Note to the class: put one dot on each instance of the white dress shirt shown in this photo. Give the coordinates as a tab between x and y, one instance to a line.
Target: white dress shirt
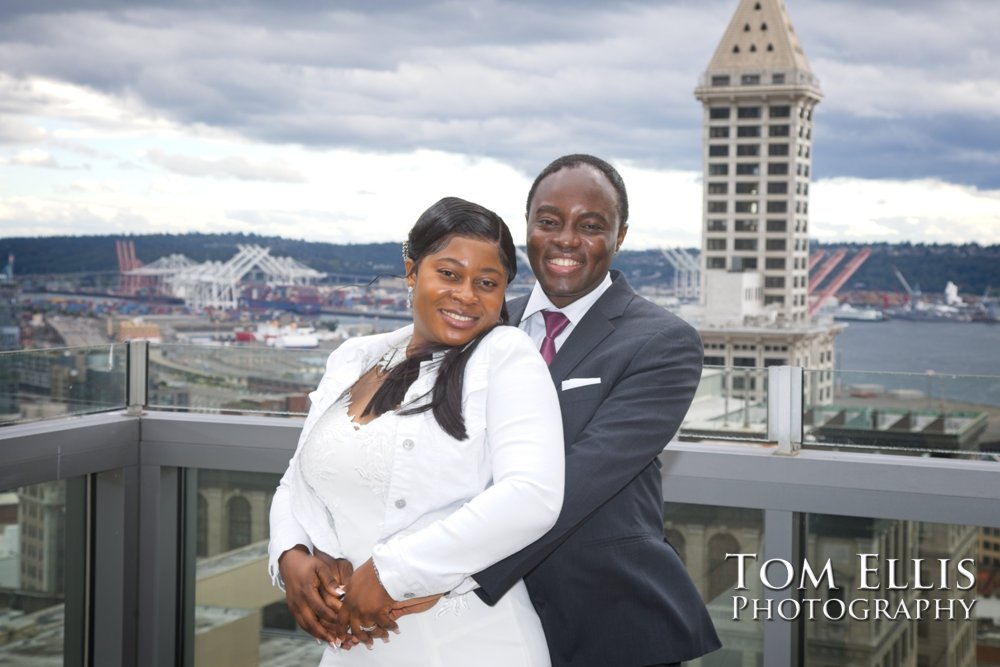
533	323
453	507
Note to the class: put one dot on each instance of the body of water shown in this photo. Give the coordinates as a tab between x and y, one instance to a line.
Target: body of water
956	361
960	348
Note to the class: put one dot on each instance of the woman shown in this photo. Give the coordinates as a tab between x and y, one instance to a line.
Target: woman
428	454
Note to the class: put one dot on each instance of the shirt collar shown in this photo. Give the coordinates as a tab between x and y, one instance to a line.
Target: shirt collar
575	311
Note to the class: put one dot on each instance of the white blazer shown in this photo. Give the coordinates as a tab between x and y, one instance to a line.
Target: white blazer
453	507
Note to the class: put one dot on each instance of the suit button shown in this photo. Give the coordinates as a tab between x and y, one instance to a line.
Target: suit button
408	444
400	504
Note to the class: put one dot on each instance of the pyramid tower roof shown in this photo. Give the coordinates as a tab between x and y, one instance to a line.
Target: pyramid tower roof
760	36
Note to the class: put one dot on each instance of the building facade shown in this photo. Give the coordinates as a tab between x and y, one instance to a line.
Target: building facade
758	95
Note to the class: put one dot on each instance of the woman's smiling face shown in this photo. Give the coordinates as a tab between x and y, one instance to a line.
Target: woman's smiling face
458	291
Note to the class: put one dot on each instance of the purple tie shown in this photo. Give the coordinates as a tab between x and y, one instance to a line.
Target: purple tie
555	322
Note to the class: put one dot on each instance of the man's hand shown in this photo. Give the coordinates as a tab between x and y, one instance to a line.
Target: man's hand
313	584
414	606
366	607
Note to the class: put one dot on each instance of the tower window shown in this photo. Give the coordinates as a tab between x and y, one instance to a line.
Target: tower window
715	244
720	80
736	49
750	79
718	170
749	169
748	150
776	244
781	111
746	226
718	150
750	188
777	226
777	207
716	225
753	49
718	188
720	132
748	131
745	244
770	47
777	78
763	26
777	149
757	6
748	112
719	113
777	169
746	27
778	188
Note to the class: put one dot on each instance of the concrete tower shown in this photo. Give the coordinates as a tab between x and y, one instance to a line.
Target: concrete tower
758	95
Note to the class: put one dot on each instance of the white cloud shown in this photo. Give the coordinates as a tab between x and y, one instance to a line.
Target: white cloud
236	167
932	211
34	157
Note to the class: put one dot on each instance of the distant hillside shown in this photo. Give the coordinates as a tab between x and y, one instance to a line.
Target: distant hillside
972	267
86	254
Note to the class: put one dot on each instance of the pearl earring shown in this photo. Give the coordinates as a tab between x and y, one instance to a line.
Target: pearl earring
409	297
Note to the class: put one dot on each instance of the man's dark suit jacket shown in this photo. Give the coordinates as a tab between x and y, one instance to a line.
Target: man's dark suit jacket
609	589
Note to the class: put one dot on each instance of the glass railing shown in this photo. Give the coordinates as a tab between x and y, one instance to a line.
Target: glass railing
240	618
731	403
233	380
40	566
703	536
903	413
59	382
903	593
923	413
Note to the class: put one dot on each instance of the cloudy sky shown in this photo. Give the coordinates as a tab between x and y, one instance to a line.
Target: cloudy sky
341	120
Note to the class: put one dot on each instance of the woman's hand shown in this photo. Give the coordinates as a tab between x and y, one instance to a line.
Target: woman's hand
366	607
313	585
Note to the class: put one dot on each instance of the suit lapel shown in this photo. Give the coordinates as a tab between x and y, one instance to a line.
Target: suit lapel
595	326
515	309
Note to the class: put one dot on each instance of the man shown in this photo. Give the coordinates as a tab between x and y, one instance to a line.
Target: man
607	586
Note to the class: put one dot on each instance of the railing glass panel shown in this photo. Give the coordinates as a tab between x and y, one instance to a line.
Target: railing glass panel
59	382
904	593
903	413
41	582
233	380
240	617
730	404
702	535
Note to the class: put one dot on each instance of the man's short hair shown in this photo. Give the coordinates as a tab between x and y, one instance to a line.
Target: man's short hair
579	159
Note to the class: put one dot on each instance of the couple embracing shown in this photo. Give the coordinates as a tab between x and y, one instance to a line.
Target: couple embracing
482	487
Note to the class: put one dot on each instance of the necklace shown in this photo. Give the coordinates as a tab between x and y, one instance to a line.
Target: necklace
390	359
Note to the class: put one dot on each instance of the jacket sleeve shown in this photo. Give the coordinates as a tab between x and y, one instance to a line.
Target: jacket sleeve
630	428
285	530
524	441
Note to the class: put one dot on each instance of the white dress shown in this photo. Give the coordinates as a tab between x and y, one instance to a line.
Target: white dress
348	467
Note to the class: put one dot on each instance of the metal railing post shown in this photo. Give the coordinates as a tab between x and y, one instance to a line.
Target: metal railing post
138	376
784	408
